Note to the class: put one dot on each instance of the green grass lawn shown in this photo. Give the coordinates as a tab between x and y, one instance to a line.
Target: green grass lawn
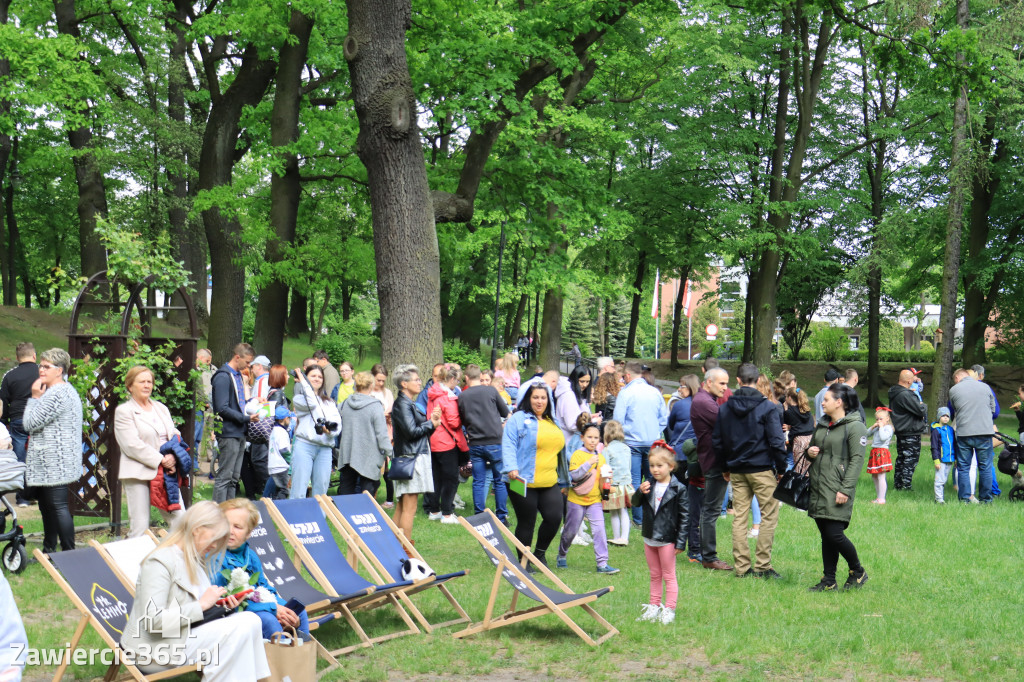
941	603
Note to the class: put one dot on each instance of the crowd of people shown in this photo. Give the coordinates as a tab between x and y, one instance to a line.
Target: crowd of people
561	451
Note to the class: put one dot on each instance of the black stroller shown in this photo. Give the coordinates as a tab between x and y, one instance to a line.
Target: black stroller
12	478
1009	464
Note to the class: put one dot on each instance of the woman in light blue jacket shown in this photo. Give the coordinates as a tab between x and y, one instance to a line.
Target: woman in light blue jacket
531	451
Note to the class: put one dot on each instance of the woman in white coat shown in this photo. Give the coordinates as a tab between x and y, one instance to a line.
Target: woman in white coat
173	591
141	426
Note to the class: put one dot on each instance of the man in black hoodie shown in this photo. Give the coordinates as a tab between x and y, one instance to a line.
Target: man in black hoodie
908	421
748	436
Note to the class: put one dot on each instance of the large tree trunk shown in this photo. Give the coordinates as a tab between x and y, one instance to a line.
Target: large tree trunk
284	188
298	314
16	250
634	310
678	317
977	305
959	178
187	238
92	196
389	145
223	232
551	331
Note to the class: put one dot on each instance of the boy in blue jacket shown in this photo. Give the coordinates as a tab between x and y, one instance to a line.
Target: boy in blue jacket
943	451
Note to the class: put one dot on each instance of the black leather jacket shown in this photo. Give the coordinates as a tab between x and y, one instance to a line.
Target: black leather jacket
412	428
670	523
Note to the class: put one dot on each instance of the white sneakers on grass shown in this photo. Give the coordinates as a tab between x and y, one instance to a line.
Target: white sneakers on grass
435	516
656	613
450	519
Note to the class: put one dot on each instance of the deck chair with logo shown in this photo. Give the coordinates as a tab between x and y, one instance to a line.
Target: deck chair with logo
104	602
492	535
374	537
305	526
125	559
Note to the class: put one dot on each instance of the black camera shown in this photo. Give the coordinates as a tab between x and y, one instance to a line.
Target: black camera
321	425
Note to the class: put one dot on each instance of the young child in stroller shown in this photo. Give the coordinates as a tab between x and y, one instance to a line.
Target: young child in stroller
1009	464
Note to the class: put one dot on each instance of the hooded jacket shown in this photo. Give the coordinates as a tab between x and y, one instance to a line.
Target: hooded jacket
448	436
748	433
365	443
908	412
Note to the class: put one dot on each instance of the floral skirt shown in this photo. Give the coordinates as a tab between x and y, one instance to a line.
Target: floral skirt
879	461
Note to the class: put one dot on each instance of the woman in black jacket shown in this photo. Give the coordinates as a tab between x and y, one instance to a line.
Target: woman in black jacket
665	521
412	431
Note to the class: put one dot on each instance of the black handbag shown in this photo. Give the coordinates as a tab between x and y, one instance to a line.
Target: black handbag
794	489
402	468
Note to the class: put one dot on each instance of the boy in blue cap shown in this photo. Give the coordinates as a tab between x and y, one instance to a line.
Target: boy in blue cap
279	455
943	451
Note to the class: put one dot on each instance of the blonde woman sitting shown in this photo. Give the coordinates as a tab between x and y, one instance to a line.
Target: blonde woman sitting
172	593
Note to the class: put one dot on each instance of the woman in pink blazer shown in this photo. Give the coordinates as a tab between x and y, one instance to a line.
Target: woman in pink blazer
141	426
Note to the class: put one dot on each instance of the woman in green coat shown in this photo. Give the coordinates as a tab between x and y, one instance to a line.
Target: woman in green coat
837	454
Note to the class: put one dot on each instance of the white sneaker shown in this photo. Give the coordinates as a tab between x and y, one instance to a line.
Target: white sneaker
649	612
450	519
667	616
581	540
435	516
458	503
752	533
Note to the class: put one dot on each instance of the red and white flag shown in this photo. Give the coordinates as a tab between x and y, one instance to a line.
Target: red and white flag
688	302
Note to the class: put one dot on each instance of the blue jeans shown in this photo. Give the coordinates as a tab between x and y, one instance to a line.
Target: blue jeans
966	448
487	459
310	461
198	434
639	470
513	392
271	624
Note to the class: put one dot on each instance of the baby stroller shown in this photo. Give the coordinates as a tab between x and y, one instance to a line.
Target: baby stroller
1009	464
12	477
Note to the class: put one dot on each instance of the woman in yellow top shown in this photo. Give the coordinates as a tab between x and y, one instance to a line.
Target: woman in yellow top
588	472
531	451
347	386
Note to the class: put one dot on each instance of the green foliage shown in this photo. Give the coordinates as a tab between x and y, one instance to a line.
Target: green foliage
347	342
828	342
890	336
458	352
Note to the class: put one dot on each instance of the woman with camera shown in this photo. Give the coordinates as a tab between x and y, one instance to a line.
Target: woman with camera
318	424
141	427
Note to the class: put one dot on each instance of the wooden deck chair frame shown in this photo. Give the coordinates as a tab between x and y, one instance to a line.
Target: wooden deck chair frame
87	619
360	551
370	601
547	606
119	572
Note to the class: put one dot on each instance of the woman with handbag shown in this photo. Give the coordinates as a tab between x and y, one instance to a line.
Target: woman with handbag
141	426
448	449
410	467
531	452
837	457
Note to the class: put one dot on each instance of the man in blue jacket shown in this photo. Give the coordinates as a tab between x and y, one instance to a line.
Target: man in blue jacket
641	410
229	405
748	436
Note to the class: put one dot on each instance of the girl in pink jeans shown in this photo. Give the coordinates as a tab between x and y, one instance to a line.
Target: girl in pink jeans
664	531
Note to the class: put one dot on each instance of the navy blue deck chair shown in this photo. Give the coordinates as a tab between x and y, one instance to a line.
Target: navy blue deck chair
492	534
104	602
375	539
307	530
